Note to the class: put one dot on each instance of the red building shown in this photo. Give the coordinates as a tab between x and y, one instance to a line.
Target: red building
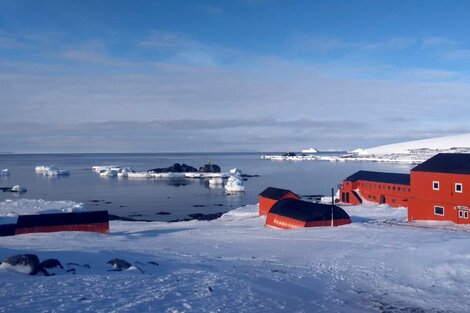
441	189
293	213
93	221
390	188
271	195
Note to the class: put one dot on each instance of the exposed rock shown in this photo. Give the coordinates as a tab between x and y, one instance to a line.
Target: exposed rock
199	217
289	154
210	168
51	263
119	264
25	263
176	168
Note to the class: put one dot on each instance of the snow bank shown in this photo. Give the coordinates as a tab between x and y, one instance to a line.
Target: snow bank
30	206
379	263
439	143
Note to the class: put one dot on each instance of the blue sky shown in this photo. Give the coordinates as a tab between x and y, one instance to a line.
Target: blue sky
253	75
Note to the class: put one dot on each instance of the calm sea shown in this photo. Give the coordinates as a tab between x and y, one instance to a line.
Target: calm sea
145	198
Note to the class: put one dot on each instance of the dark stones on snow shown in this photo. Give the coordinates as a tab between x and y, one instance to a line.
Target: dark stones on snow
199	217
120	264
51	263
27	262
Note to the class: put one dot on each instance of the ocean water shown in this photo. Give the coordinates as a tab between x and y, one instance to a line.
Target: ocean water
146	198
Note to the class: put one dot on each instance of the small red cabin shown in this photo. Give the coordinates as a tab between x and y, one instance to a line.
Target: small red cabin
271	195
93	221
441	189
391	188
293	213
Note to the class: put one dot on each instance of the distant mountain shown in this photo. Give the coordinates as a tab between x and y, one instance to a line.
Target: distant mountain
438	143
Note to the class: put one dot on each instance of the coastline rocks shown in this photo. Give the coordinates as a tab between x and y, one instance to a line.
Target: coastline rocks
210	168
176	168
24	263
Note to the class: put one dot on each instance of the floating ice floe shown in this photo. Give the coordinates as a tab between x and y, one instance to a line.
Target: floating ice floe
125	172
99	168
19	189
235	171
51	170
234	184
110	172
139	175
310	150
216	182
4	172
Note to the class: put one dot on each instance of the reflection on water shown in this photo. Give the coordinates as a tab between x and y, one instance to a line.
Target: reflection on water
177	195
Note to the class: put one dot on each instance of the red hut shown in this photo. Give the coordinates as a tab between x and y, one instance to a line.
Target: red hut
390	188
441	189
94	221
271	195
293	213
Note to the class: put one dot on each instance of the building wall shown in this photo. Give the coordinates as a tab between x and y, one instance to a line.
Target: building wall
395	195
425	199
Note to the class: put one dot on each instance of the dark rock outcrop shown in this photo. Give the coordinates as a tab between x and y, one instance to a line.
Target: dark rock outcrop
27	262
210	168
51	263
120	265
289	154
176	168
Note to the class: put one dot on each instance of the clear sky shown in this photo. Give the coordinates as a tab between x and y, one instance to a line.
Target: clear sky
252	75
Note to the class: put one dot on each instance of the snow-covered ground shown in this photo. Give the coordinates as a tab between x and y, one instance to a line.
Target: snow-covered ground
412	152
235	264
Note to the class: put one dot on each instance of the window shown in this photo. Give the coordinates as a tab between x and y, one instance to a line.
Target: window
435	185
458	187
438	210
463	214
398	188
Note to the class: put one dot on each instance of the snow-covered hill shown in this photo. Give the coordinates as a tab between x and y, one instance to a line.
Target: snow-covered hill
235	264
439	143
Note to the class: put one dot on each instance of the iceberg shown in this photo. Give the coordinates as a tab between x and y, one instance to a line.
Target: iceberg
51	170
19	189
234	184
310	150
4	172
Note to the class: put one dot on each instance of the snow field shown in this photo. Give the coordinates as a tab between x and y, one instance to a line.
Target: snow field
235	264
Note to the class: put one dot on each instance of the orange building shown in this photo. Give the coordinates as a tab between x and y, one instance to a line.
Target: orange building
441	189
390	188
270	196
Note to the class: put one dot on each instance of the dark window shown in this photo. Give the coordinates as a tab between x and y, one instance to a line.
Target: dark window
435	185
393	187
458	187
398	188
438	210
